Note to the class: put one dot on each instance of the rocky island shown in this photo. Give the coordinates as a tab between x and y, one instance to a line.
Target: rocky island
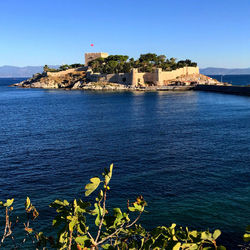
118	72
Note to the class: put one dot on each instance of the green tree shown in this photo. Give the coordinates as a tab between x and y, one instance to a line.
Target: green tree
127	67
64	67
160	60
146	63
149	57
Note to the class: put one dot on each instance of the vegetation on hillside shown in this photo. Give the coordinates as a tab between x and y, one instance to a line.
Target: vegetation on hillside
112	229
123	64
46	68
145	63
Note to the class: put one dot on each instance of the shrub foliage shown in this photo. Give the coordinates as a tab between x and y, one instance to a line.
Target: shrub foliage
114	229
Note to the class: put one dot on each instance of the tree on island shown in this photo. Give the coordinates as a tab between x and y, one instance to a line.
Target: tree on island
145	63
46	68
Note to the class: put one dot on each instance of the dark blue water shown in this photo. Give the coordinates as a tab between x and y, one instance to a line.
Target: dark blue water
233	79
187	153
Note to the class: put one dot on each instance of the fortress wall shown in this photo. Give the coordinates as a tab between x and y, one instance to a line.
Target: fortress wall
122	78
136	78
160	77
150	77
170	75
193	70
139	78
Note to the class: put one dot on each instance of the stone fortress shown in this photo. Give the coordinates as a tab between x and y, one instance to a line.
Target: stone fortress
141	79
82	77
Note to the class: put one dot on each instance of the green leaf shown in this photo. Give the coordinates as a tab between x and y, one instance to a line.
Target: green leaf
91	187
59	203
1	203
206	236
108	175
177	246
173	226
71	225
138	208
63	237
8	202
117	211
131	209
83	206
66	203
73	221
81	228
216	234
98	211
81	240
194	234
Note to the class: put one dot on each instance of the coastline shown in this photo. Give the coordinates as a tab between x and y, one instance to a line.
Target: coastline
104	86
76	79
114	87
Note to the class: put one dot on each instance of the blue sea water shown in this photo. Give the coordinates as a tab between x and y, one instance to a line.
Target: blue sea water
233	79
187	153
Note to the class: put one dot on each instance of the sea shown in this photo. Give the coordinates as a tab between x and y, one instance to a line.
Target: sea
186	153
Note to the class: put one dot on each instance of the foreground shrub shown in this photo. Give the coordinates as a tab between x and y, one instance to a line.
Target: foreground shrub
115	229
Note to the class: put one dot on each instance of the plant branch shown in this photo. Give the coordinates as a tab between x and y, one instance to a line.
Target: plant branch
120	228
92	239
70	240
7	229
103	214
138	217
111	235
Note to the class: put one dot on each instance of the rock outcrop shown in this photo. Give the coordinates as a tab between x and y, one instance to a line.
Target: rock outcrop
53	80
67	79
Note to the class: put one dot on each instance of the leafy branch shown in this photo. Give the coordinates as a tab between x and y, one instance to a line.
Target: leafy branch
114	230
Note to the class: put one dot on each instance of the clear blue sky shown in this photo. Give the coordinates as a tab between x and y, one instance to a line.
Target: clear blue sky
210	32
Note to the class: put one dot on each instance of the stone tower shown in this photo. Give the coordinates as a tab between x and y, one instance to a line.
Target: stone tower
92	56
134	78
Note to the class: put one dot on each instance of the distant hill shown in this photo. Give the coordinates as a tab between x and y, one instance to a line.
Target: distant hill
224	71
28	71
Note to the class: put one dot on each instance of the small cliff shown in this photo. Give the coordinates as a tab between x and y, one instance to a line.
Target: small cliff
54	80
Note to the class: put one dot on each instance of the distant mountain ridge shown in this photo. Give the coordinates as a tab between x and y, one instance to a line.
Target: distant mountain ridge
14	71
28	71
224	71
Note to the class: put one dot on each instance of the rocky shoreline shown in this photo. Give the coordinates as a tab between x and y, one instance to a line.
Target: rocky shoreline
103	86
77	86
